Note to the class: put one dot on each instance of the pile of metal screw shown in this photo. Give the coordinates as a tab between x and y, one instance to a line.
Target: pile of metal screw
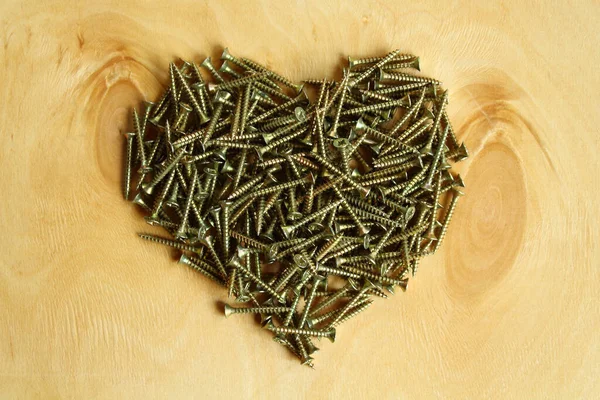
303	209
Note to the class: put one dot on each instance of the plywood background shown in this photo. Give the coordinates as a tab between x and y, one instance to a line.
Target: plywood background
507	309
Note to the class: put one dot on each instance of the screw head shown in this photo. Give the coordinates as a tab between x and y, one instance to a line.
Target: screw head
366	241
295	215
184	260
300	114
376	148
300	261
227	167
428	186
331	335
409	213
458	181
152	220
147	188
287	230
363	230
341	143
360	125
228	310
222	96
316	227
364	192
457	191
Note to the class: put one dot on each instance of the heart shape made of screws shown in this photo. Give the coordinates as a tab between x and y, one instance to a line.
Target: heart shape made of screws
283	200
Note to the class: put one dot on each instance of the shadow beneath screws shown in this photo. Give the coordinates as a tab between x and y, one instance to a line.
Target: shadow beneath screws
220	306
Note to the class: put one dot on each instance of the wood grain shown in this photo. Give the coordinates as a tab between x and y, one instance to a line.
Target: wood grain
508	308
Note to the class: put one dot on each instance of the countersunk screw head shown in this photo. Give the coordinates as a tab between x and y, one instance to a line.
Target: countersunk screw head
316	227
212	172
267	137
222	96
307	361
228	310
294	215
337	227
227	167
366	241
409	213
458	181
331	335
300	261
341	143
363	230
457	191
287	230
463	153
226	55
310	178
300	114
360	125
364	192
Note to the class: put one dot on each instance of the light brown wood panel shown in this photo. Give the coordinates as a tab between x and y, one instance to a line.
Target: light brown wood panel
508	308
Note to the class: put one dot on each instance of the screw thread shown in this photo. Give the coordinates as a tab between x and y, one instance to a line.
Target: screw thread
168	242
353	313
305	331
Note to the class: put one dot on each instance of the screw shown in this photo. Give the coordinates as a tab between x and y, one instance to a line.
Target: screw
397	76
273	75
356	62
382	242
240	82
170	243
436	124
460	153
226	68
436	158
330	300
366	286
229	310
190	94
170	165
374	107
311	296
287	230
436	196
181	232
362	190
382	136
182	119
414	63
329	333
207	63
206	187
453	203
375	67
220	98
235	262
158	203
140	134
202	267
128	164
409	114
352	313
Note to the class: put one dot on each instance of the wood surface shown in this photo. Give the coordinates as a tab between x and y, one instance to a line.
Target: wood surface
508	308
